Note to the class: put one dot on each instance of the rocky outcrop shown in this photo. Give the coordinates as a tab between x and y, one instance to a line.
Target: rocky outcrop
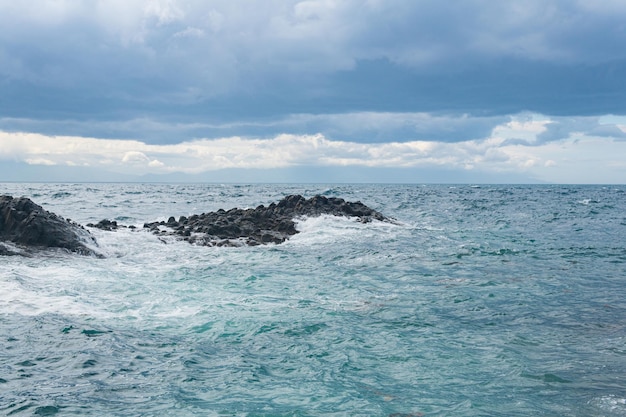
261	225
27	225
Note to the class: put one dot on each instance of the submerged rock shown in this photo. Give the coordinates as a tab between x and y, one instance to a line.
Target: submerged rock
27	225
105	224
257	226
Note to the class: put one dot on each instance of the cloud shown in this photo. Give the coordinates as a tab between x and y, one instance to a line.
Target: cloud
560	128
39	161
512	147
361	127
233	152
186	58
155	163
358	127
134	156
140	159
158	86
406	31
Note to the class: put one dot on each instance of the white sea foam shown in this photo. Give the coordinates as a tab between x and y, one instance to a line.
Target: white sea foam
44	287
132	281
587	201
336	229
611	404
127	242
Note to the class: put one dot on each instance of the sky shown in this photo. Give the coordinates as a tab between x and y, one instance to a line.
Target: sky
409	91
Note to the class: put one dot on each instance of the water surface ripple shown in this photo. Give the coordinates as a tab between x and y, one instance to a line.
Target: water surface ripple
491	300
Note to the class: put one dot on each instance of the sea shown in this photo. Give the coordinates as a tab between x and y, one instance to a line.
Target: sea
478	300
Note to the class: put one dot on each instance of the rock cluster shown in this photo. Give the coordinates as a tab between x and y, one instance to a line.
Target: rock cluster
27	225
260	225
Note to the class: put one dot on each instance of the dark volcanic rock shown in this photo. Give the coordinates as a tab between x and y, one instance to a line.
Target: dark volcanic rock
6	251
261	225
105	224
26	224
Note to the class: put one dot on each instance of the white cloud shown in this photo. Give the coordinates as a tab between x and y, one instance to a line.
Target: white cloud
578	159
39	161
165	11
134	157
549	163
155	163
190	32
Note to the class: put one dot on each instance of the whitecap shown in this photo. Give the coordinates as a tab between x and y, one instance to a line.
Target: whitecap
327	228
611	404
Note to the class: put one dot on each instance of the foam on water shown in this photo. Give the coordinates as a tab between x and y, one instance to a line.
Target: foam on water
613	405
334	229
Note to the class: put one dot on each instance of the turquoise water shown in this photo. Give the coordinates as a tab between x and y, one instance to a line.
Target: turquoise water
482	301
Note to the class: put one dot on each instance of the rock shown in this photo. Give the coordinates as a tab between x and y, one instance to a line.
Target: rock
106	224
6	251
28	225
25	225
261	225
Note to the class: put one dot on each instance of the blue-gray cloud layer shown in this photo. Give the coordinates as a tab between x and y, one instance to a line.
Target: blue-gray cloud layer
258	68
